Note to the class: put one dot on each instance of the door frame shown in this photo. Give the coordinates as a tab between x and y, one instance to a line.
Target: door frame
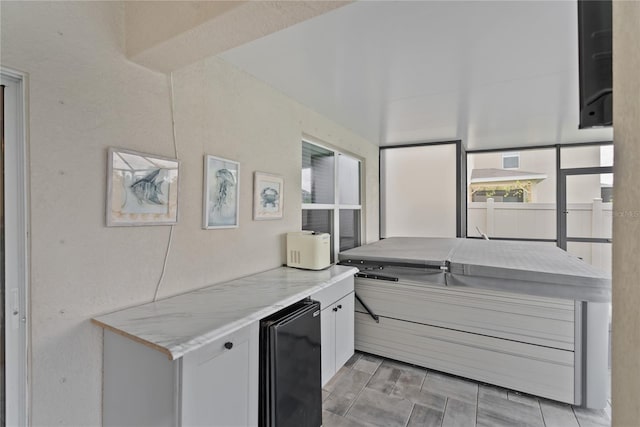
562	204
17	251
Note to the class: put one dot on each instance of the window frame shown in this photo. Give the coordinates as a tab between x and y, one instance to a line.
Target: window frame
510	154
559	171
336	207
461	181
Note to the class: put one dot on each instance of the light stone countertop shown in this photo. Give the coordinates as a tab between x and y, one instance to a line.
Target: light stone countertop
186	322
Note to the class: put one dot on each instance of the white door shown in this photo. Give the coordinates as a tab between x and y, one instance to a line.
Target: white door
328	343
220	382
344	330
14	270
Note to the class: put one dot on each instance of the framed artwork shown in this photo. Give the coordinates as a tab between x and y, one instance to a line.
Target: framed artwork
142	189
221	200
268	196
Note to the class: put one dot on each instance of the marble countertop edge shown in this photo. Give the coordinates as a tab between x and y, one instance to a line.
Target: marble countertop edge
177	350
133	337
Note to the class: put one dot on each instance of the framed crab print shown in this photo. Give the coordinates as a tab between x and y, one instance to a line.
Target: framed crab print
221	200
268	196
142	189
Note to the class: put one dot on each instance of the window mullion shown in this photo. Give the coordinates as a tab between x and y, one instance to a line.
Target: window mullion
333	206
336	201
317	206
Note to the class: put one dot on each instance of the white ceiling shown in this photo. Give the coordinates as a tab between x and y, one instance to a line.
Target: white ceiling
494	74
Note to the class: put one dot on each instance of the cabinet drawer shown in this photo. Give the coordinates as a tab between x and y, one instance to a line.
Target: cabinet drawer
534	320
333	293
213	349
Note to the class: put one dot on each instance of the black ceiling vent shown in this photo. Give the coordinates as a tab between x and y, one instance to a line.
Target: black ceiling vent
595	47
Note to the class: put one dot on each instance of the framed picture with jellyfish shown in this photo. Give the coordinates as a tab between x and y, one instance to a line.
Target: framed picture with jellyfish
268	196
221	200
142	189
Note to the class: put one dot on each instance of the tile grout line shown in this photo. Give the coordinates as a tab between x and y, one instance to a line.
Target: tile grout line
394	389
576	416
413	408
352	403
395	386
478	403
332	391
477	397
444	410
371	375
544	423
424	379
360	392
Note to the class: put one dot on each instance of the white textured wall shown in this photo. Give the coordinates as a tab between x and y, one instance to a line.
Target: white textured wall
626	221
222	111
84	97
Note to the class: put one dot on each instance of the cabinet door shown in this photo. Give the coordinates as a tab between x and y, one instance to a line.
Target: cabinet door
220	384
344	334
328	346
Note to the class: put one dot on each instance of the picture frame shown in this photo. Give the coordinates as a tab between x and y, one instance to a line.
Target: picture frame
268	196
142	189
221	198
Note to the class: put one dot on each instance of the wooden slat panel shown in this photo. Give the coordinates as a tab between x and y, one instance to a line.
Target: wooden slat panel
537	370
535	320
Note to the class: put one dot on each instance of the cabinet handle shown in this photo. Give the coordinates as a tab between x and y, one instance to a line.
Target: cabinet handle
335	308
228	345
340	306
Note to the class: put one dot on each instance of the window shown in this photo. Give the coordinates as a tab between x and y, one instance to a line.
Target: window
499	195
586	156
331	201
587	191
577	217
512	195
418	190
510	160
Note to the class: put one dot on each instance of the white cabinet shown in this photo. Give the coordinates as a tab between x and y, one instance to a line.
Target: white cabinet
344	330
337	324
216	385
337	335
220	382
161	369
328	343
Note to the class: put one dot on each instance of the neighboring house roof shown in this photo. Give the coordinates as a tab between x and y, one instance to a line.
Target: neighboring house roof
500	175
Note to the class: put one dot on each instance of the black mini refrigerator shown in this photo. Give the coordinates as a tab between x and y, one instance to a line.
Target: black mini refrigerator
290	368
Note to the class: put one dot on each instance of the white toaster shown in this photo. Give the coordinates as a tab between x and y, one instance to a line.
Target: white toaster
308	250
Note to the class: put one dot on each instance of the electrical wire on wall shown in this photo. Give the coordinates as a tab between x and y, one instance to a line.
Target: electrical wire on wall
175	150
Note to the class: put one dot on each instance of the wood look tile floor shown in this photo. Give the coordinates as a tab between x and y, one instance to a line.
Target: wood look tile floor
372	391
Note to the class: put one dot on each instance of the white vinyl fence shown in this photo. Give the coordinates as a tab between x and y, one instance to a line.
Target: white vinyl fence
538	221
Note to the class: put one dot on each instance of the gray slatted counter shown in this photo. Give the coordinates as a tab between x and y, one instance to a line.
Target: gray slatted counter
521	315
